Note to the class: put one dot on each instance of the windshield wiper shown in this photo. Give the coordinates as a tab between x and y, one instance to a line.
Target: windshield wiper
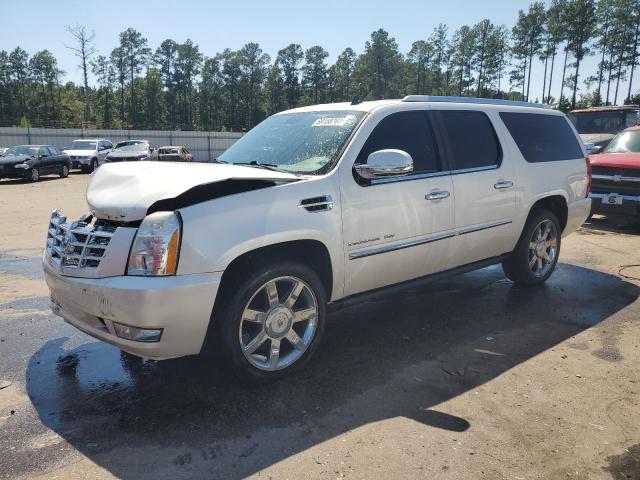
268	166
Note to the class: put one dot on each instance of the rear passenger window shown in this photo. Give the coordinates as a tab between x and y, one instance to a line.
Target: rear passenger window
542	138
471	139
408	131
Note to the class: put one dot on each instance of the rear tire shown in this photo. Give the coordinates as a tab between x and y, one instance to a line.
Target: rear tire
269	321
535	257
64	171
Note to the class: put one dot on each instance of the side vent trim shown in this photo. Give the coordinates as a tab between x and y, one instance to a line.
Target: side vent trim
323	203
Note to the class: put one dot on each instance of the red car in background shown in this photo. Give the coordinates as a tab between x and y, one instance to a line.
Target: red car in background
615	186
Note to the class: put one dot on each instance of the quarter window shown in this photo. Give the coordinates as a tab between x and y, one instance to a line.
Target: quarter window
407	131
542	138
471	139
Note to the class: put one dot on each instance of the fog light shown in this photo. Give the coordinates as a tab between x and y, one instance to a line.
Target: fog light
137	334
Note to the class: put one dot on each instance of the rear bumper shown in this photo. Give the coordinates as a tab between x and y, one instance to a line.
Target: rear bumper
577	214
180	305
630	204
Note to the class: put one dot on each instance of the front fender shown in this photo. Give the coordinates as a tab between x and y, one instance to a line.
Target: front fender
218	231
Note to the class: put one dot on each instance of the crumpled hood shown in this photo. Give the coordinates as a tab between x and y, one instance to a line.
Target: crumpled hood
125	191
597	138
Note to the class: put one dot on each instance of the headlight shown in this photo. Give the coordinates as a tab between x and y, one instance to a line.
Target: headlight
22	165
143	157
155	246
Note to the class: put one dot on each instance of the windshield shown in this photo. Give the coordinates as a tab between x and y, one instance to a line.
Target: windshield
603	122
82	145
134	147
169	151
295	142
625	142
22	150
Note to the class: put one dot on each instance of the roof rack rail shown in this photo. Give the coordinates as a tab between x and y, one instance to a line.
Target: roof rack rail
481	101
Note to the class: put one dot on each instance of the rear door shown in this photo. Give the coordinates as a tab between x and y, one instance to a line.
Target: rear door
48	161
483	181
58	159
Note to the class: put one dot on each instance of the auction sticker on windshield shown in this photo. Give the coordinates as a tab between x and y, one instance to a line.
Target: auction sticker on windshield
333	121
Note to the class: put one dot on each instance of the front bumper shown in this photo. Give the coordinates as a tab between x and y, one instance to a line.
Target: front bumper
79	163
180	305
630	204
12	172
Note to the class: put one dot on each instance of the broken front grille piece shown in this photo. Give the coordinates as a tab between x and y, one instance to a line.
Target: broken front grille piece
80	244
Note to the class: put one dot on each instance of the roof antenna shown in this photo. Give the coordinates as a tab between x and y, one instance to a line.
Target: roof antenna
357	99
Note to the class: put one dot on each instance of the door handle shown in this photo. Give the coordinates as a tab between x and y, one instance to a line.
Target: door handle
503	184
437	195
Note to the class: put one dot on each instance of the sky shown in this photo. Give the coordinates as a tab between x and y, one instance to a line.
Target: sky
214	25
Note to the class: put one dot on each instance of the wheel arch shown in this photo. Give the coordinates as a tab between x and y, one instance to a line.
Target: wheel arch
312	253
555	203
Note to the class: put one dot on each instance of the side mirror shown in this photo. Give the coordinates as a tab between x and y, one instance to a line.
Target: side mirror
596	149
385	163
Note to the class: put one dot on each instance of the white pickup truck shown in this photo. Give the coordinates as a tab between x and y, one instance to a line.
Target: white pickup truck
313	206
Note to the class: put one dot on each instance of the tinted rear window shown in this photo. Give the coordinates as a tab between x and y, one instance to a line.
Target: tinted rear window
471	139
542	138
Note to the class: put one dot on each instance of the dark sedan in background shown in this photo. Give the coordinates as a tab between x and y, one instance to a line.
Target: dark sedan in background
30	162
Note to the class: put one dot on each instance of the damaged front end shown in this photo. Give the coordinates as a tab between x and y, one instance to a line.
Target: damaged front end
89	247
128	192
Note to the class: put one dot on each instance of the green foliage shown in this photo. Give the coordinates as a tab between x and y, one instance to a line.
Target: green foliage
175	86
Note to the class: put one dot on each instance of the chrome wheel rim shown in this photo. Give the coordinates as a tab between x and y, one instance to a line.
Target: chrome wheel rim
65	171
35	175
278	323
543	248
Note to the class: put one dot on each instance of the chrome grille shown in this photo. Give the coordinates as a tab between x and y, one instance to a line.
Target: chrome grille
80	244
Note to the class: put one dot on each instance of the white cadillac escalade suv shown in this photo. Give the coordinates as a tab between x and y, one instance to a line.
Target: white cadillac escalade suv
313	206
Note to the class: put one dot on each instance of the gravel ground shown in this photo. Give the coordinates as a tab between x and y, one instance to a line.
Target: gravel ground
466	378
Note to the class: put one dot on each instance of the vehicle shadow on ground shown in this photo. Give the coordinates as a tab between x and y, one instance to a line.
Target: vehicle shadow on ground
398	356
22	181
614	224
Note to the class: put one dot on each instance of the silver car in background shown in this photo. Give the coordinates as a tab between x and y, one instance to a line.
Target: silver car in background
131	151
87	154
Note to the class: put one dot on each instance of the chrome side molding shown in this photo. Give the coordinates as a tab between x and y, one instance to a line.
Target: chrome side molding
378	249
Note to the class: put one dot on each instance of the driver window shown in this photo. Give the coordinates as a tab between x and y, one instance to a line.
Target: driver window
408	131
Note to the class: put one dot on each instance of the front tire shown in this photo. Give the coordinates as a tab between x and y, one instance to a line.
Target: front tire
35	174
535	257
272	323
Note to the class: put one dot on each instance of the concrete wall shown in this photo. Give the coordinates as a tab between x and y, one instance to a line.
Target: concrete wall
205	146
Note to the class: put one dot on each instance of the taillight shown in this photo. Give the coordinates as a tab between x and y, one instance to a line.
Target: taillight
588	177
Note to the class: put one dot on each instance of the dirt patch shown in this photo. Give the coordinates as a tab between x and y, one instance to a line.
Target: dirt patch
609	354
